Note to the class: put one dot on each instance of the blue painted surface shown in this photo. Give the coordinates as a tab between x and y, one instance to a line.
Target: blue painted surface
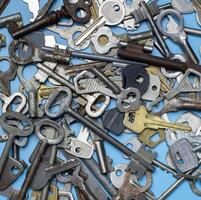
161	180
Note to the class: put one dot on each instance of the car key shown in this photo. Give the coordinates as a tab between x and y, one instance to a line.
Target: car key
69	9
13	132
44	142
114	17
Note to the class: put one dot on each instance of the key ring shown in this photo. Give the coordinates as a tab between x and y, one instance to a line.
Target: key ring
48	122
179	32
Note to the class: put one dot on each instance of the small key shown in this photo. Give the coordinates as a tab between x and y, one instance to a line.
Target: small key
115	15
13	131
140	120
44	142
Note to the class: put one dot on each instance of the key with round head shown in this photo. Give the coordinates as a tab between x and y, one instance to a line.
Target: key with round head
13	131
140	120
44	142
111	13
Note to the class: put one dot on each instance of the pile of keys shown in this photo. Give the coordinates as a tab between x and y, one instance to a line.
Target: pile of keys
106	84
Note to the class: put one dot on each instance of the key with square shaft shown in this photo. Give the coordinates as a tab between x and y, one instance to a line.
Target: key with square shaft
140	120
69	9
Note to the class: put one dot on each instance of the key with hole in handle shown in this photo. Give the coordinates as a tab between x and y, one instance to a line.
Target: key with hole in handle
13	131
111	13
69	9
140	120
44	142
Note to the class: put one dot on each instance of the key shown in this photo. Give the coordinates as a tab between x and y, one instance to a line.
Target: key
139	120
31	88
95	178
112	18
7	101
7	76
66	108
51	133
13	131
78	182
183	156
179	36
52	195
174	65
69	9
42	177
44	142
80	146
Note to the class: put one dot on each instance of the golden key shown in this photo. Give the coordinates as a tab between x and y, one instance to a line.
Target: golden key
139	120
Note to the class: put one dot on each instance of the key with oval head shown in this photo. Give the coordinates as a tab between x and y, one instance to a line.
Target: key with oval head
111	13
65	107
140	120
13	131
44	142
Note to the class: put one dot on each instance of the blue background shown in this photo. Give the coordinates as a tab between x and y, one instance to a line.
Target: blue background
161	180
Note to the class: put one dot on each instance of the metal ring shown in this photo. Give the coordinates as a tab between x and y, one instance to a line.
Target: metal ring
48	122
163	14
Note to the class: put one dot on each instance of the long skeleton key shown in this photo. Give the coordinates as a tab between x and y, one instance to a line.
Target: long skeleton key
44	142
140	120
111	12
13	131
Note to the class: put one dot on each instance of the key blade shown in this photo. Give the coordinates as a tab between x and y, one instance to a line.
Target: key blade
88	32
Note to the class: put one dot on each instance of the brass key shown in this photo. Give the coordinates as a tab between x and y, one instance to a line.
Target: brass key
139	120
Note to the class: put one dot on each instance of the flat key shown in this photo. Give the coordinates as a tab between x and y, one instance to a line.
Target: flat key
139	120
13	131
115	15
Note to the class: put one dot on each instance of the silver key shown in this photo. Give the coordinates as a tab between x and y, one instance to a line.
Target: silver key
113	17
178	35
182	6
